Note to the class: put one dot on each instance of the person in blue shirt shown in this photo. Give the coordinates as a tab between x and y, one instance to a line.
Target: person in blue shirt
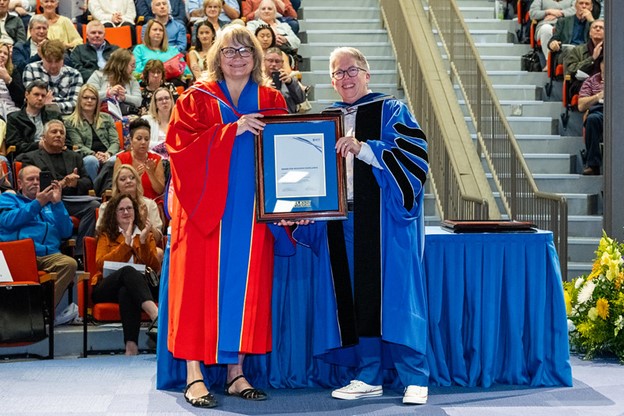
176	28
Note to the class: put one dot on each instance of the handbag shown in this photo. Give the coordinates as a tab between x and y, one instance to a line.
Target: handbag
530	62
21	313
174	67
152	277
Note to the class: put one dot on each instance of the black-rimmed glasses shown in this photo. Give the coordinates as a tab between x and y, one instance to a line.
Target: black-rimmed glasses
352	72
243	52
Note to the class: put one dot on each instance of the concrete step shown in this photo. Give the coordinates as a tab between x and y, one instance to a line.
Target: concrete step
582	249
549	162
525	125
578	204
524	108
577	269
491	23
517	77
485	12
344	24
492	35
316	36
501	63
585	225
511	92
565	183
355	12
305	5
506	49
367	48
531	143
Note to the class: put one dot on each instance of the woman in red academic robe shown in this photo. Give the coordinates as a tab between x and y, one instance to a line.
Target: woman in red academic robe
221	258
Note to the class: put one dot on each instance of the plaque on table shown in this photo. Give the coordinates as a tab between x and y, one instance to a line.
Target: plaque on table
487	226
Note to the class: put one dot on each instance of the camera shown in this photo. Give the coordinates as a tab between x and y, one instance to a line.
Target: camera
275	75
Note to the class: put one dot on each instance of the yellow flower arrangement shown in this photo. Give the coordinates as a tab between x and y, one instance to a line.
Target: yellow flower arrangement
595	304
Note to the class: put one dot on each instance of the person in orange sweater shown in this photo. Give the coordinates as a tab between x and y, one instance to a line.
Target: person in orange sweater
123	236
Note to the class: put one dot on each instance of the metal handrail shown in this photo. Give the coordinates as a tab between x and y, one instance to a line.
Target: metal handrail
456	174
520	196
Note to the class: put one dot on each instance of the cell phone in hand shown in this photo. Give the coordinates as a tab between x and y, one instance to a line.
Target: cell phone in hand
45	180
276	80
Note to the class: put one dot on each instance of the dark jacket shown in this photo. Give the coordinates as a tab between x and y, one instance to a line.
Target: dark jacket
14	27
564	28
72	160
21	56
21	130
16	88
84	58
178	12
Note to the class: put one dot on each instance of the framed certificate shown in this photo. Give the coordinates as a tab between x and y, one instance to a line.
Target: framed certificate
299	175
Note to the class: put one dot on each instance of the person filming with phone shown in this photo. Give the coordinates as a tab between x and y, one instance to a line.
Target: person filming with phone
289	86
38	213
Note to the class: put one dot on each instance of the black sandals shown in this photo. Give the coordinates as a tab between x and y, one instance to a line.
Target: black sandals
247	394
207	401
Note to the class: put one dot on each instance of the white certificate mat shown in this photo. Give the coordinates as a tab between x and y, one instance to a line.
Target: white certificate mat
300	165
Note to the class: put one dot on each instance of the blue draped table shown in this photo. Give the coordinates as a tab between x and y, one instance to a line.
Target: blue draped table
496	315
496	309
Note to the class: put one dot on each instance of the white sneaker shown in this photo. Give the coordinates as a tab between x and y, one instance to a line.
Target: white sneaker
357	390
415	395
67	315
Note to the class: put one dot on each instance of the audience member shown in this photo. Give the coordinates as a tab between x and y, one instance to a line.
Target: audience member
152	78
155	46
228	10
40	215
67	168
546	13
158	118
572	30
11	85
64	81
123	236
267	39
113	13
289	86
585	57
60	27
116	81
91	56
285	38
25	127
24	9
251	10
206	35
148	164
211	14
27	52
176	31
177	10
126	180
591	100
11	25
91	133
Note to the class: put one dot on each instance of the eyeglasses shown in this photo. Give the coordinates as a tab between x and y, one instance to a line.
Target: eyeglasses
352	72
163	99
125	209
243	52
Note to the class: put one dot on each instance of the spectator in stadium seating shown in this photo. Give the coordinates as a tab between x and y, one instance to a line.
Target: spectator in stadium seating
251	10
228	9
206	35
126	180
64	81
40	215
117	81
113	13
267	39
60	27
591	100
152	78
12	26
90	132
67	168
158	118
176	9
25	127
91	56
11	85
286	39
547	12
148	164
212	13
291	88
585	57
176	31
24	9
573	30
155	46
27	52
123	236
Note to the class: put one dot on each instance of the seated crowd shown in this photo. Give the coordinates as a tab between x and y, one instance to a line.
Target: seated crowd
84	121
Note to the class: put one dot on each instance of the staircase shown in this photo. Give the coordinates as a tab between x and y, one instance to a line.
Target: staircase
552	157
328	24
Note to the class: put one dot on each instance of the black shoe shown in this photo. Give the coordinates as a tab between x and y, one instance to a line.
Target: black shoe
247	394
206	402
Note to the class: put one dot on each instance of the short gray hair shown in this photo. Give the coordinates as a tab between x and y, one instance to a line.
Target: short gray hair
38	18
349	51
49	124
